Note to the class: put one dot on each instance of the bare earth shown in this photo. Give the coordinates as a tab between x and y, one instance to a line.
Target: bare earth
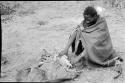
47	25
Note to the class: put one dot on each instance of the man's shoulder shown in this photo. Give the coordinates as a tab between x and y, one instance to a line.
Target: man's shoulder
101	19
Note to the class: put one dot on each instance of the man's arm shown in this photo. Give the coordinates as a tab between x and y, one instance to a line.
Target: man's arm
73	36
70	41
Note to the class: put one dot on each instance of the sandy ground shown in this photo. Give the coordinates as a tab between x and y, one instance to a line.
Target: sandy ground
47	25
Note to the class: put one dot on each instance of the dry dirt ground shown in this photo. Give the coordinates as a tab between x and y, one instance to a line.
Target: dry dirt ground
47	25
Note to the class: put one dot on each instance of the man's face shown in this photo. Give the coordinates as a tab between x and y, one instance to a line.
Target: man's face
89	19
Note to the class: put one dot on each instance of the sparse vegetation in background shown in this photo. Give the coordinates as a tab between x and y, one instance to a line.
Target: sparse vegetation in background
9	7
115	3
5	10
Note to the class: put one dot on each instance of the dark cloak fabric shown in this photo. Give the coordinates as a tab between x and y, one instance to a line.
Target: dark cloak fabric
96	42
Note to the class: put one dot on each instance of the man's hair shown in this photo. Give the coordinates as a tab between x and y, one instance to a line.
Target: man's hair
90	11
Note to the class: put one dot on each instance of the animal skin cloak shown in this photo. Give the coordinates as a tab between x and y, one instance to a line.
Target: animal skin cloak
96	42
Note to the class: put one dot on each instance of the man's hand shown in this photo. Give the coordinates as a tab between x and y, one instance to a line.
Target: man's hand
74	60
64	52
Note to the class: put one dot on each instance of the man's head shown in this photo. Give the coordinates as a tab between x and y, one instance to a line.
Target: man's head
90	15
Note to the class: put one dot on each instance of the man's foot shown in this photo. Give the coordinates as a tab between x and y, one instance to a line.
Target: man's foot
118	67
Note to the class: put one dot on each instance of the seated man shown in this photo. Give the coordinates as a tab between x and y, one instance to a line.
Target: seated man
91	41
